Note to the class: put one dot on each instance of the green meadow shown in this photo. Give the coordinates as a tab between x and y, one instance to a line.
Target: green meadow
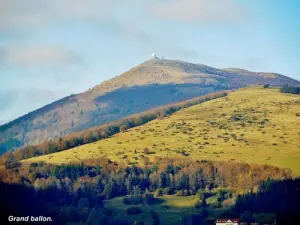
254	125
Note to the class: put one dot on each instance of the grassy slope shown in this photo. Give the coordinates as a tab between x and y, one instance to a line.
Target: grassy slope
229	128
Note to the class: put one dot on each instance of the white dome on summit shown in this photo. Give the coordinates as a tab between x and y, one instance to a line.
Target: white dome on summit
153	56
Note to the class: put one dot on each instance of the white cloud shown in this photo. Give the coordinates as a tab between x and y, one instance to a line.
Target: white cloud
199	11
37	55
17	16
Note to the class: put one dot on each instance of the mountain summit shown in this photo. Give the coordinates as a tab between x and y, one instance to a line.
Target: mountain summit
153	83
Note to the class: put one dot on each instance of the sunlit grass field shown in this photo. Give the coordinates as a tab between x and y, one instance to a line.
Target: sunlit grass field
253	125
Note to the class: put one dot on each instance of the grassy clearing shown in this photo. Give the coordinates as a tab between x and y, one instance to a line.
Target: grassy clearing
252	125
170	210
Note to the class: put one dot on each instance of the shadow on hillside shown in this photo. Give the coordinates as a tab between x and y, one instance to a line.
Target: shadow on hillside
137	99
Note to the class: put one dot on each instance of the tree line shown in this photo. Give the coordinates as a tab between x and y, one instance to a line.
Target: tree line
166	175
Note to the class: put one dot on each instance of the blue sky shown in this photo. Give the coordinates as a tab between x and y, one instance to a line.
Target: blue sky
53	48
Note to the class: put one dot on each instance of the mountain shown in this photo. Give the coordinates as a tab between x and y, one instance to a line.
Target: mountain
153	83
253	125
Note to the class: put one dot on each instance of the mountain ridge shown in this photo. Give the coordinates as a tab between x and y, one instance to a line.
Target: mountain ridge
153	83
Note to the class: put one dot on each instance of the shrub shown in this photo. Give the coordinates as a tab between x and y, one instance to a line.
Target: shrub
147	151
184	153
133	210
